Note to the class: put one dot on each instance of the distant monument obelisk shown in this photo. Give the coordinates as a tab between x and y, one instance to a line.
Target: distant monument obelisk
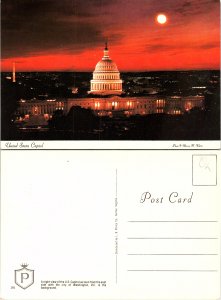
13	73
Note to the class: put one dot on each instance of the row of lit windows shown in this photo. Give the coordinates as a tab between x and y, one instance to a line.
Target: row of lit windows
102	86
106	76
158	111
105	67
144	106
161	102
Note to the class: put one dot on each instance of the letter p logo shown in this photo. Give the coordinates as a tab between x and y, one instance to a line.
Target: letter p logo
24	277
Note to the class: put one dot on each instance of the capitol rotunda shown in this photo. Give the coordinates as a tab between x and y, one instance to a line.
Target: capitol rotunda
106	77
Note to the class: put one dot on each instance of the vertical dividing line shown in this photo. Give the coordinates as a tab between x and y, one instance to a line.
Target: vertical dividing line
116	185
116	224
116	268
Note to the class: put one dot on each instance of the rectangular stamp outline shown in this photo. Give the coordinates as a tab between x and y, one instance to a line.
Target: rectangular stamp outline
215	174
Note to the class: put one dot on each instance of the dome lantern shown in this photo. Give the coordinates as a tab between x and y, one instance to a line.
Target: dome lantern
106	52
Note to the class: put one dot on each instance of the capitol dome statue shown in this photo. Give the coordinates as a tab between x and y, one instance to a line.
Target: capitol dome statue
106	77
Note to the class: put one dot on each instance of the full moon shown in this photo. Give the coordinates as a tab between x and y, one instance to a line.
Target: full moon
161	19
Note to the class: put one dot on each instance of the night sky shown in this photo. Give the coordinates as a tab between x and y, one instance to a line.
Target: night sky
69	35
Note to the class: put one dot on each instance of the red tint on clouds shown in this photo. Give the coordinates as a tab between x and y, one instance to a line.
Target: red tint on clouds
189	39
87	61
128	57
47	63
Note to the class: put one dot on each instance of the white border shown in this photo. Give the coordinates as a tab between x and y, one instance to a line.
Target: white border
110	145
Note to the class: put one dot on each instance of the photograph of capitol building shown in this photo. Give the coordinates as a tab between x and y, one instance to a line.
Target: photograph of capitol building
106	82
106	104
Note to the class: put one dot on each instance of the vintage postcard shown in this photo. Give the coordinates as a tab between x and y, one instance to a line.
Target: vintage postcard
110	150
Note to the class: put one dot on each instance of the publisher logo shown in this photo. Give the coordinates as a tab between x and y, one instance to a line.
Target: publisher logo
24	277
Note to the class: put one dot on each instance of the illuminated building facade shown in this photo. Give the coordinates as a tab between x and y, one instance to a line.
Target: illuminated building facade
106	77
106	82
111	106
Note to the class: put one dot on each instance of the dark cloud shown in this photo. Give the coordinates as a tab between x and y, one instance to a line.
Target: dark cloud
36	8
51	38
185	8
210	45
151	48
30	27
187	4
195	7
158	47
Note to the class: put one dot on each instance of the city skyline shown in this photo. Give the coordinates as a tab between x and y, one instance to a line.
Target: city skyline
46	35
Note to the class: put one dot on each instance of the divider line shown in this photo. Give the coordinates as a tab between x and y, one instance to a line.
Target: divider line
172	238
172	221
116	225
172	270
172	254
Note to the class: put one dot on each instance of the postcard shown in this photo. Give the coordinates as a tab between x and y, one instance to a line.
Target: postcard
110	225
110	150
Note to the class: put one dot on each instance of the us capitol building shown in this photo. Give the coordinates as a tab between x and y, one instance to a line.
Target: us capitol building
106	77
110	101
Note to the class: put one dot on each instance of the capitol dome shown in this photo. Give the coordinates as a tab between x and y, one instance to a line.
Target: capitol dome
106	66
106	77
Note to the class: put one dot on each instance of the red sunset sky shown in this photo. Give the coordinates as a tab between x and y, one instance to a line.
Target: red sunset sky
69	35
